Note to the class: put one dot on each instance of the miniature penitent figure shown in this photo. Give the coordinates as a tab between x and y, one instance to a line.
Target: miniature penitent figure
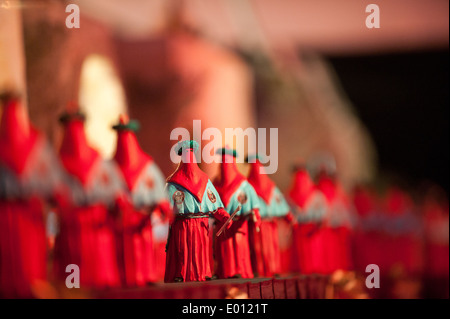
337	228
194	200
309	207
367	237
233	252
403	230
145	195
86	237
266	260
29	175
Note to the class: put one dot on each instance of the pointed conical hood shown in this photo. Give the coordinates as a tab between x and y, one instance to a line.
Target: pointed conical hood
230	178
262	184
363	200
129	155
397	202
188	174
76	155
17	136
326	184
302	186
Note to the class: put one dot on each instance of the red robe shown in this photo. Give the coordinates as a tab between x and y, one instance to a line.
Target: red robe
188	246
22	247
366	237
436	220
402	246
232	251
136	253
307	249
86	236
270	247
264	245
23	186
337	229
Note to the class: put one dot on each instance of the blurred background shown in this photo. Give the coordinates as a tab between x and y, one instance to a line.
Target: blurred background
374	100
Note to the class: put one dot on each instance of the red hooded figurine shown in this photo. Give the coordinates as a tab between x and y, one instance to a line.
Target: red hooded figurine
309	207
194	200
337	225
146	195
28	176
402	249
266	259
233	252
86	237
436	221
367	234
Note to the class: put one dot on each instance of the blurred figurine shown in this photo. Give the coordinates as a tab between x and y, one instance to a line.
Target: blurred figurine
86	236
367	237
194	200
338	224
232	252
28	177
436	222
272	205
146	195
309	207
403	230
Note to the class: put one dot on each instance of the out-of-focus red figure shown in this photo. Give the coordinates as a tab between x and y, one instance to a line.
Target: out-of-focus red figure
337	226
194	199
367	236
28	176
403	248
309	207
265	247
146	195
232	252
436	223
86	235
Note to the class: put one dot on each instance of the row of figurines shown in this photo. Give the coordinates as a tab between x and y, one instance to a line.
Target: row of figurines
103	210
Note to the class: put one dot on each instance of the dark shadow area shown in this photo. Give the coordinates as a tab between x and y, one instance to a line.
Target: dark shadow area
403	100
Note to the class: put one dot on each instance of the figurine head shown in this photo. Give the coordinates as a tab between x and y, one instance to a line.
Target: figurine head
254	158
301	185
15	123
187	149
125	124
227	153
129	155
72	113
229	172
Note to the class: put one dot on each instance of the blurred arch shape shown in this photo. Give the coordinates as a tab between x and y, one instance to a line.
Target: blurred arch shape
102	99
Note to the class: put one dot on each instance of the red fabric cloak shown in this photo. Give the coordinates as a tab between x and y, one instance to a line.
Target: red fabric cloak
86	235
22	232
307	254
264	244
232	252
188	255
137	263
336	239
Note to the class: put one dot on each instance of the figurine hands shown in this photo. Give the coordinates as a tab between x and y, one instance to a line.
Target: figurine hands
256	218
290	218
